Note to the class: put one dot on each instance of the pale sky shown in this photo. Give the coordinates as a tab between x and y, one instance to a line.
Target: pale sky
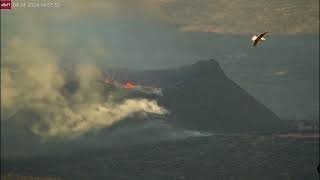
153	33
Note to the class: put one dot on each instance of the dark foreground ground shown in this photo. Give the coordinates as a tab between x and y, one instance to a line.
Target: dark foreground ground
284	157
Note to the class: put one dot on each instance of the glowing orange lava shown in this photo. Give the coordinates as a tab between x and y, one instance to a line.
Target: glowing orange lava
128	85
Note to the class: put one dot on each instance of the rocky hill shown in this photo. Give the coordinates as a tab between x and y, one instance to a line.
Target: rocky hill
200	96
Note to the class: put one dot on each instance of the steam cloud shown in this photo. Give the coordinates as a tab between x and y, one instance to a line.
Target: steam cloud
149	90
32	80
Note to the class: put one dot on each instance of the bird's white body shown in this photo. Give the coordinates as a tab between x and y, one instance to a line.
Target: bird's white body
255	37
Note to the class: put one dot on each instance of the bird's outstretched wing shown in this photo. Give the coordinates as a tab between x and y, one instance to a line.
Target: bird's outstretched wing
258	38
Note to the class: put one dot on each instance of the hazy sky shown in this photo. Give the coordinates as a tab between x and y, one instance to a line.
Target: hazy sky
152	33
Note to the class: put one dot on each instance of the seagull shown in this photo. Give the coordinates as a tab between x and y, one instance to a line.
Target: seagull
256	38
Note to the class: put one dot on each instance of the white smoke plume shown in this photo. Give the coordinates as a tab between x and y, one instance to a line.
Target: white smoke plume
79	119
32	80
149	90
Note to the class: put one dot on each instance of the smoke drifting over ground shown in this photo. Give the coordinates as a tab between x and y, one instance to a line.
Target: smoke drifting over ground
32	80
150	90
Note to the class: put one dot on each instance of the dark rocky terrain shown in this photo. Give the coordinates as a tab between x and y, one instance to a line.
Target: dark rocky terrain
233	136
201	96
235	157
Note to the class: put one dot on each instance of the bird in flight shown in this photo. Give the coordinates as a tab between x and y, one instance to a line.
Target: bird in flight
258	38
